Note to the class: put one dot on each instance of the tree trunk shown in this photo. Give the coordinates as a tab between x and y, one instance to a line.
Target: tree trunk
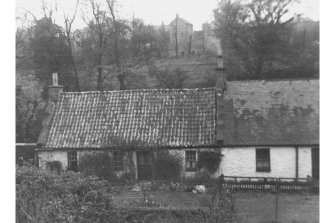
73	63
99	81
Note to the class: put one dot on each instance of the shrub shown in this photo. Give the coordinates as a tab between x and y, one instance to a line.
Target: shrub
223	206
200	178
54	166
209	160
43	196
167	166
98	164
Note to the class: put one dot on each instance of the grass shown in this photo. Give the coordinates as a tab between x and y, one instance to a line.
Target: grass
251	207
292	207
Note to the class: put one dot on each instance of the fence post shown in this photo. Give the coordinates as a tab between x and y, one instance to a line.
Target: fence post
277	188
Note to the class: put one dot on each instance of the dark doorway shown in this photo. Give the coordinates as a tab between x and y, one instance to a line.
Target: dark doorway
315	163
144	161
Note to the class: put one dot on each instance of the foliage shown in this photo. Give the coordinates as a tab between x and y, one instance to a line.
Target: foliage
174	79
223	206
54	166
209	160
254	35
68	197
29	106
167	166
50	53
200	178
98	164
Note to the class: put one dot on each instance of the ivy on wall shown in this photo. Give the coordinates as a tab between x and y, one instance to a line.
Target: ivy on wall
209	160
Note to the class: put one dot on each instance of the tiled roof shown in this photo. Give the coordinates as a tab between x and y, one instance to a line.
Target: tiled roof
283	112
133	118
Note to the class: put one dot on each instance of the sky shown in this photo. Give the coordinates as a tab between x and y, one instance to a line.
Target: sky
155	12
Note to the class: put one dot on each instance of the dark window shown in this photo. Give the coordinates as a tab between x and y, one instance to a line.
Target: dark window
118	161
191	160
72	160
263	160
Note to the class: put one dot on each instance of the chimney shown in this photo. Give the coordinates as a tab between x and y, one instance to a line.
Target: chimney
54	93
54	90
221	81
221	86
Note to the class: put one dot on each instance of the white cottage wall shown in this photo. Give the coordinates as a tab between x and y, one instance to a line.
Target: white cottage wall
48	156
305	162
241	161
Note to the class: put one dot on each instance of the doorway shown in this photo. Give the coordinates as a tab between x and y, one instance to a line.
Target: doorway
144	161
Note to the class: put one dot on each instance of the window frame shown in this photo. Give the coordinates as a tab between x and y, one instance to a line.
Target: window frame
71	160
118	161
193	161
262	159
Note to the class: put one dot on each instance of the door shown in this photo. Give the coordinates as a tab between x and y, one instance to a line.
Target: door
315	163
144	161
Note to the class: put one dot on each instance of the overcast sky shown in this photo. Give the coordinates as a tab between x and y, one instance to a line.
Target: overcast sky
156	11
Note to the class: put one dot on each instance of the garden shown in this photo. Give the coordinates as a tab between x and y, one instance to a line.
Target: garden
96	194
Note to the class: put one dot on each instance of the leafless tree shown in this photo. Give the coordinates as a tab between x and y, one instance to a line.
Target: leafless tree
69	38
253	30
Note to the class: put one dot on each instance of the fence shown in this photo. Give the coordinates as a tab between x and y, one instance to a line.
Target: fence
270	183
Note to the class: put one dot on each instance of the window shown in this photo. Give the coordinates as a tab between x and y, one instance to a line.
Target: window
72	160
118	161
263	160
191	160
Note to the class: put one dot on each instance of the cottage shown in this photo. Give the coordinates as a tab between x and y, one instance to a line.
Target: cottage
130	124
261	128
271	129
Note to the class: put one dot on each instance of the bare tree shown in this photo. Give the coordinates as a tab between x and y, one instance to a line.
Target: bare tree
68	34
253	31
99	33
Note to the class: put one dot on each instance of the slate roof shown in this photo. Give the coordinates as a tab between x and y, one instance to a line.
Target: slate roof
283	112
133	118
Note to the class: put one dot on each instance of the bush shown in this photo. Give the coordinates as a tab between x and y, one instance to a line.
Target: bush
209	160
43	196
98	164
54	166
200	178
167	166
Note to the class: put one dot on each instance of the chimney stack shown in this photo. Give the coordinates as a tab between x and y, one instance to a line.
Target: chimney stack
221	81
221	86
54	90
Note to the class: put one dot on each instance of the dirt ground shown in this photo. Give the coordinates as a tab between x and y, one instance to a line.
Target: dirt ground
255	207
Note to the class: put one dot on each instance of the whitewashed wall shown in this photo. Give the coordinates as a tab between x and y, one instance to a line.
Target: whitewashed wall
48	156
305	162
242	162
235	161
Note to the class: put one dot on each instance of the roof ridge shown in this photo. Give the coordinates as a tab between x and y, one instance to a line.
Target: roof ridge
276	80
141	90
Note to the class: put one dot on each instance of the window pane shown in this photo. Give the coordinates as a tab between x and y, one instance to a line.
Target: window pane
262	159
